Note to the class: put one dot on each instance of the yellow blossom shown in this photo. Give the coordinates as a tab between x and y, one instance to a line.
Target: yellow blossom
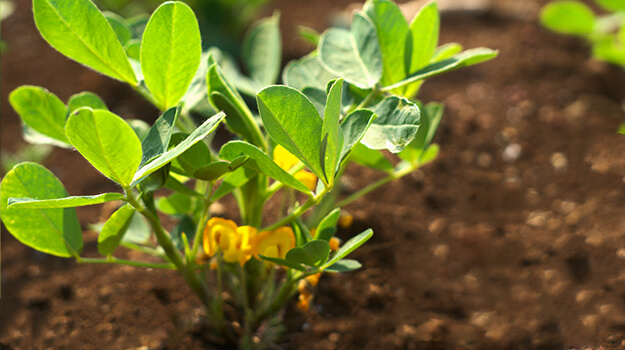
225	236
304	302
334	244
286	161
313	280
345	221
274	244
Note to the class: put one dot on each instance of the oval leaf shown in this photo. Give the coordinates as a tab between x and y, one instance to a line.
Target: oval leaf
395	127
568	17
262	51
80	31
52	231
354	55
170	52
392	29
350	246
114	229
314	253
293	122
41	110
107	142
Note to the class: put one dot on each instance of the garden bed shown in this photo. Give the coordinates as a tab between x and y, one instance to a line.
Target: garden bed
513	238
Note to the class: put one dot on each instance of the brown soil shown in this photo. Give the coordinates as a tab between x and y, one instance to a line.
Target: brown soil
513	239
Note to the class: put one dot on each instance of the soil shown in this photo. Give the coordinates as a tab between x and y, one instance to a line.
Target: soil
514	238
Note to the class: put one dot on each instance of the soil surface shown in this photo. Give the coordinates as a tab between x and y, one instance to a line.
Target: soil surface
514	238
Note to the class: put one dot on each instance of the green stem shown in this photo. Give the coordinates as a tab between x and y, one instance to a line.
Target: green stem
199	232
373	94
114	260
188	272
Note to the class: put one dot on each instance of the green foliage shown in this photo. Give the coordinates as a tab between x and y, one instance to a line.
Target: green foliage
351	101
605	33
171	49
80	31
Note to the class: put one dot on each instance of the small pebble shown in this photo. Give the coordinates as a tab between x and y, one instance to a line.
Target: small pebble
573	218
441	251
559	162
437	226
621	253
511	153
583	296
514	115
538	219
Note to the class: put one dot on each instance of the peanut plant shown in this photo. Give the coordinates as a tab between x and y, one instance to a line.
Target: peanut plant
352	100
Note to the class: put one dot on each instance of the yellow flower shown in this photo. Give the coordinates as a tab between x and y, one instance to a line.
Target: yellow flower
345	221
275	243
225	236
313	279
334	244
286	161
304	302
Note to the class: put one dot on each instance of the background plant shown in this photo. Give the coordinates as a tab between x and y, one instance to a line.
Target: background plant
345	102
605	33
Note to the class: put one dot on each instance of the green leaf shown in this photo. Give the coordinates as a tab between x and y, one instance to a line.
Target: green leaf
354	127
314	253
261	162
306	72
196	136
80	31
371	158
196	92
262	50
421	43
138	232
609	51
66	202
175	204
612	5
212	171
41	110
233	181
463	59
85	99
344	265
114	229
133	49
349	246
309	34
327	226
445	51
224	96
107	142
293	122
52	231
284	262
354	55
170	52
568	17
331	134
423	39
192	159
431	116
429	155
120	26
392	29
157	140
395	127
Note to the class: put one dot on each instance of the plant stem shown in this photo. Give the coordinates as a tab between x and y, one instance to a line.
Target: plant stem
247	332
113	260
199	286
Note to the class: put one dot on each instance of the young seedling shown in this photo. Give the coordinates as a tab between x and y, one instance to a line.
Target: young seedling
344	103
